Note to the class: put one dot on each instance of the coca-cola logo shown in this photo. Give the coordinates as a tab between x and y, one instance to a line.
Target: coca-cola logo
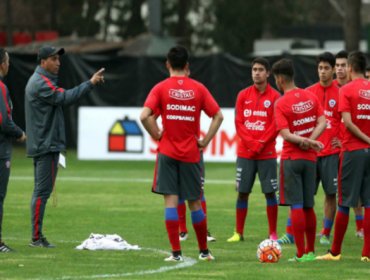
364	94
181	94
258	125
302	107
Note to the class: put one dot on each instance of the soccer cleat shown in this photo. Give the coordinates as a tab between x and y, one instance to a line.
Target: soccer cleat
206	257
286	239
296	259
324	240
210	238
365	259
4	248
183	236
173	258
42	242
329	257
310	257
236	238
360	233
273	236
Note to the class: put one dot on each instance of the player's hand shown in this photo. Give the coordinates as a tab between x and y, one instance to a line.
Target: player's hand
201	143
316	145
98	77
22	139
304	145
336	143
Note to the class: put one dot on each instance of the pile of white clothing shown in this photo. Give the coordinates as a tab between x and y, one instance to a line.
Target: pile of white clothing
106	242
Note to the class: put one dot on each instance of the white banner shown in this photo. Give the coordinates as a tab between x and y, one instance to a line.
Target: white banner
116	133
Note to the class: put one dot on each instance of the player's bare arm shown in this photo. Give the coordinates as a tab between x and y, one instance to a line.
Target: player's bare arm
319	128
150	124
213	128
354	129
302	142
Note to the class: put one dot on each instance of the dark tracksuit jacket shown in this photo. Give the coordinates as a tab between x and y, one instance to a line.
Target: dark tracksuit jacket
8	131
46	134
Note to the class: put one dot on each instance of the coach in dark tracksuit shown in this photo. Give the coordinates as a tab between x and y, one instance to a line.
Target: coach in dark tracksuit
45	130
8	131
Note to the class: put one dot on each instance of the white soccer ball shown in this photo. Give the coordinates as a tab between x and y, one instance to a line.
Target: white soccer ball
269	251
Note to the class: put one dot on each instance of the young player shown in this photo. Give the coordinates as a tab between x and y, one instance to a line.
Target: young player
354	171
300	120
341	62
328	158
180	101
255	126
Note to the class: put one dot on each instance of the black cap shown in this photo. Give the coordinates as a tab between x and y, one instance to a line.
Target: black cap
47	51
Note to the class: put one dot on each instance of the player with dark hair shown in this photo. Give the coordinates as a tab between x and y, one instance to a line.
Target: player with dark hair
44	102
8	131
180	100
354	170
341	62
328	158
255	126
300	120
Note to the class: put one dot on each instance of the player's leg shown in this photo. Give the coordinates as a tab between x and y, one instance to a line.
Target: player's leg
181	210
246	171
359	220
287	237
45	172
166	183
309	188
4	179
365	198
267	172
191	189
328	170
291	193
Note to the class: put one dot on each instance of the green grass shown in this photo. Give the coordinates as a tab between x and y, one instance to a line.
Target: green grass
106	197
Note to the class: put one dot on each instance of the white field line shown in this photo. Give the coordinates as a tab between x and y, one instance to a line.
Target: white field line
186	263
113	180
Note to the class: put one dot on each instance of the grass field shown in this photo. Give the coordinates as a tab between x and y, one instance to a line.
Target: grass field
115	197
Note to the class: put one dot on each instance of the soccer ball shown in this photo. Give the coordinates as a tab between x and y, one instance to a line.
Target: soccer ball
269	251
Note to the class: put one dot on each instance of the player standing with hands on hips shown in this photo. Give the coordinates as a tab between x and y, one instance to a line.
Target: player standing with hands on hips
8	131
180	100
44	103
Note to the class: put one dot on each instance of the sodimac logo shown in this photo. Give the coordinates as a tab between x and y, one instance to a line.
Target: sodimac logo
302	107
181	94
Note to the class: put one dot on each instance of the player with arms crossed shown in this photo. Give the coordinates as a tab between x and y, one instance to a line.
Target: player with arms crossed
354	170
300	120
255	126
180	101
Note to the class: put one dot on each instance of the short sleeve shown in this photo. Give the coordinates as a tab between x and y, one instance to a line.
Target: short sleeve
280	118
210	105
344	102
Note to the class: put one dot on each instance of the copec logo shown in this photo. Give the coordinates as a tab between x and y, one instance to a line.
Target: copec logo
181	94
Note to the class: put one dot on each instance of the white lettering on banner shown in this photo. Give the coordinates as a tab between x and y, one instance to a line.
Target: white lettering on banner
302	107
180	118
304	120
363	117
365	94
181	94
260	113
305	131
258	125
177	107
363	106
328	113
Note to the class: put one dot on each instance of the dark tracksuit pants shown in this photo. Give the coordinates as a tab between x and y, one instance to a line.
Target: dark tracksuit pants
45	173
4	179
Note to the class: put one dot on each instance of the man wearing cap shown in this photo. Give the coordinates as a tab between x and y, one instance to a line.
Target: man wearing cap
45	129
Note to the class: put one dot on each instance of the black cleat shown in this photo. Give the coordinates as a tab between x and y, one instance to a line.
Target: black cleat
42	242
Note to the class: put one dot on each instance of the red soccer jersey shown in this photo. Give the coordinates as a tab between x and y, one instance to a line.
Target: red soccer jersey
180	101
354	98
329	99
254	121
298	111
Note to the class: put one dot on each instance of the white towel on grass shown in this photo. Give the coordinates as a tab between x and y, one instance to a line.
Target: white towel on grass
98	241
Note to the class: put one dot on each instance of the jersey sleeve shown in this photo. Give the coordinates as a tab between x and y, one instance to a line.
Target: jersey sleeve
210	106
344	102
152	101
280	118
